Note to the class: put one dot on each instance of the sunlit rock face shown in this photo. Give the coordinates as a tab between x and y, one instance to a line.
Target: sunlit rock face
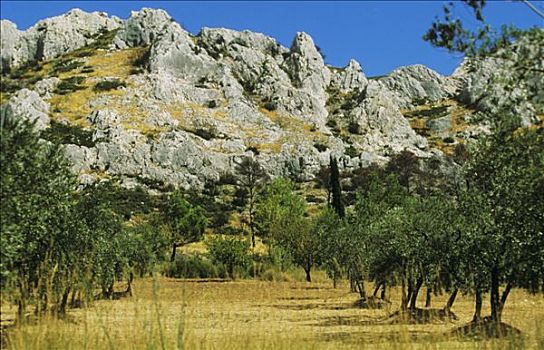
188	107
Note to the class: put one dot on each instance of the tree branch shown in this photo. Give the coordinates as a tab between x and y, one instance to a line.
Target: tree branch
533	7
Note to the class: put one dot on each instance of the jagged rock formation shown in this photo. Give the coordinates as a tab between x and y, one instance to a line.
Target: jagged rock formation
51	37
487	84
155	103
416	84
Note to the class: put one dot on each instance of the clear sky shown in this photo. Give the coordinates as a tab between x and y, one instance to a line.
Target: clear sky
380	35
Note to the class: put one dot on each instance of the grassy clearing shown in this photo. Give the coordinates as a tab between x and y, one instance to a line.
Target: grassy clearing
201	246
170	313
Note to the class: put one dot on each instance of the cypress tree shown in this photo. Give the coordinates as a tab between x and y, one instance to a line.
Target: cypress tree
335	188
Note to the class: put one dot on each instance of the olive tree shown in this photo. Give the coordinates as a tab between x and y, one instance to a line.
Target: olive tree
185	223
281	216
40	231
505	210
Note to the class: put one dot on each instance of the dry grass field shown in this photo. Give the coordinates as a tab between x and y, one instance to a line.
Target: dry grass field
248	314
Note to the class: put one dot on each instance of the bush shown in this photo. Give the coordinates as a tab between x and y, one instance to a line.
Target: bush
24	69
109	85
253	149
70	85
66	65
354	128
352	152
87	69
83	53
331	123
270	106
314	199
193	266
320	147
142	61
230	231
60	133
206	134
9	86
449	139
348	105
227	179
229	252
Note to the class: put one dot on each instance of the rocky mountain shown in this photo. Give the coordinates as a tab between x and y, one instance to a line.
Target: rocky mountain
144	101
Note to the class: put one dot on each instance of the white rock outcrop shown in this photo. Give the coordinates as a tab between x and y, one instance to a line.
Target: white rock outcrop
52	37
28	105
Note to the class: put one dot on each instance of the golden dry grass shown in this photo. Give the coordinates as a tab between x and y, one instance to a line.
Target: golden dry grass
456	110
169	313
75	106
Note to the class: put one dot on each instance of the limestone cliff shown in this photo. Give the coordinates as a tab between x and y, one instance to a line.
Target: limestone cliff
148	101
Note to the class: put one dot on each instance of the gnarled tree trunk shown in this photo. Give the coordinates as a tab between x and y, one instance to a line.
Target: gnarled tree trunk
428	297
307	270
504	296
451	300
174	248
361	288
415	292
494	295
477	306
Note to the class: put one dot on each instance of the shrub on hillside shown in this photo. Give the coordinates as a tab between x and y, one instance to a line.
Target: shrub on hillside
107	85
70	85
193	266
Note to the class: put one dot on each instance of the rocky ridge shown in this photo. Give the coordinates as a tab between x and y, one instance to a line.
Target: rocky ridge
162	105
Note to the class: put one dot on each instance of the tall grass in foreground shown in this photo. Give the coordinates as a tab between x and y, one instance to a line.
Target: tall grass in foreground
175	314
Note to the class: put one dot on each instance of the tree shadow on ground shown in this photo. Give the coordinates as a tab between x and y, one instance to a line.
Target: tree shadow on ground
311	287
299	298
486	328
310	306
419	316
346	321
372	303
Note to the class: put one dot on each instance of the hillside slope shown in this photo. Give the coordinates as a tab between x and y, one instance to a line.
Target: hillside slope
144	101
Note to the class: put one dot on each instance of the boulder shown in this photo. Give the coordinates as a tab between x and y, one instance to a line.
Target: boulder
27	104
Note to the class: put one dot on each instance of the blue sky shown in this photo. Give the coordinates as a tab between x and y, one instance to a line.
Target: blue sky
380	35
